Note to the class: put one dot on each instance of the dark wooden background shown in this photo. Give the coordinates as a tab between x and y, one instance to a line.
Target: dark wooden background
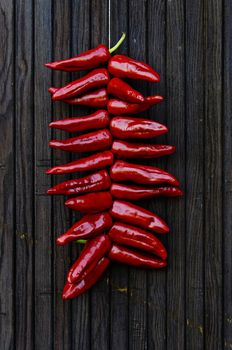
188	306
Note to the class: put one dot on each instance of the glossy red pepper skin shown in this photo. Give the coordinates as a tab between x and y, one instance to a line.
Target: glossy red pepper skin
138	216
93	162
94	79
120	89
119	107
97	120
98	140
128	150
72	290
95	99
132	128
86	60
91	183
135	237
91	203
131	193
141	174
130	257
125	67
94	250
87	227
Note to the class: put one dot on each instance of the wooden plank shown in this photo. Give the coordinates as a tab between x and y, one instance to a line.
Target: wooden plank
61	217
24	68
227	176
194	179
119	273
100	311
80	41
43	219
213	174
137	277
156	47
175	56
7	187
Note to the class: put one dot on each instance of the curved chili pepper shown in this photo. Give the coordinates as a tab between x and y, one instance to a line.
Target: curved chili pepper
93	251
94	141
131	193
131	128
91	203
93	162
87	227
118	107
125	67
135	215
130	257
89	279
123	149
131	236
91	183
95	79
119	88
97	120
95	99
141	174
86	60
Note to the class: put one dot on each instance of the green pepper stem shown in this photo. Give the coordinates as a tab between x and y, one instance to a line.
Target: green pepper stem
81	241
115	47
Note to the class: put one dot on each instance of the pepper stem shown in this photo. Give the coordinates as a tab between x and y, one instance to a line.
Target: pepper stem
81	241
115	47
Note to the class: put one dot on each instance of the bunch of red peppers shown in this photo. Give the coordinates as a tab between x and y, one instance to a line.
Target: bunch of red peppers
112	227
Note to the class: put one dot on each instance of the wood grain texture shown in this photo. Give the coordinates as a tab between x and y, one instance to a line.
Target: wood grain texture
213	175
43	221
24	125
188	305
156	57
175	66
227	177
194	179
7	176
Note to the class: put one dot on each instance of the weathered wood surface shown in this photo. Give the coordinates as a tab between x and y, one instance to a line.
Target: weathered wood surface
188	306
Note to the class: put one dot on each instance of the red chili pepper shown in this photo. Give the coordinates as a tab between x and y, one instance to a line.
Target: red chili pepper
97	120
141	174
123	149
93	162
86	60
94	250
95	99
95	79
135	215
91	183
89	279
125	67
87	227
118	107
135	237
131	128
124	91
94	141
127	256
131	193
91	203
